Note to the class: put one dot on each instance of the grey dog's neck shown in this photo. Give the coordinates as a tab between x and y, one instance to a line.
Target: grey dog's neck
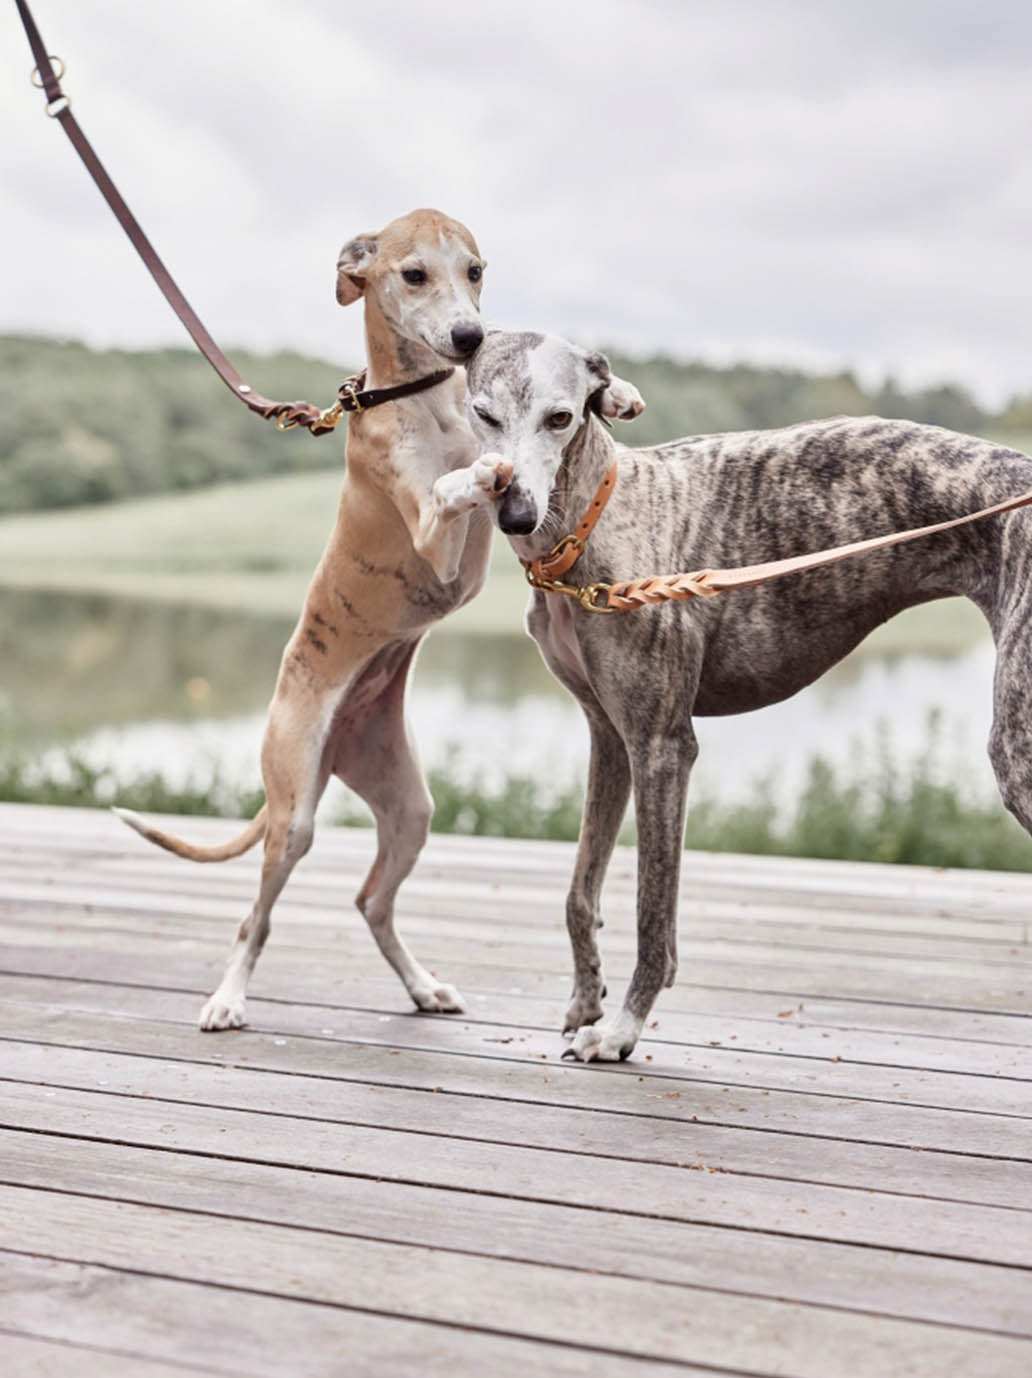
585	462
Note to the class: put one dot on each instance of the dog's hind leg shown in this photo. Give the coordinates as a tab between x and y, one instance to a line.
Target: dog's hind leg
660	767
1010	740
294	782
378	761
605	802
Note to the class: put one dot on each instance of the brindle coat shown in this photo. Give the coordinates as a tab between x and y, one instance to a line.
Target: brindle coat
721	500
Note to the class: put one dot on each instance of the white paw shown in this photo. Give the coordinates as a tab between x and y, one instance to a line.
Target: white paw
222	1012
491	475
600	1043
437	998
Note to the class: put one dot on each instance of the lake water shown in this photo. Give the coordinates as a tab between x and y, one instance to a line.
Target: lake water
182	690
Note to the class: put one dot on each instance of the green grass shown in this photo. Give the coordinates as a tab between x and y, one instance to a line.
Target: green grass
867	812
247	546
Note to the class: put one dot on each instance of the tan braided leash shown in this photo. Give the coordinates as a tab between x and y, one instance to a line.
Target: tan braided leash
630	594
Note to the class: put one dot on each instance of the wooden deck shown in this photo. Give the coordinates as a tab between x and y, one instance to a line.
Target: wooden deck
818	1165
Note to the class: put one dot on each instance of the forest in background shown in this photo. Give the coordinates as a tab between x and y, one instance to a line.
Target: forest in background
79	425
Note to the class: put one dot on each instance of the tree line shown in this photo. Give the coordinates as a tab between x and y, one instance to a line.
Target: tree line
79	425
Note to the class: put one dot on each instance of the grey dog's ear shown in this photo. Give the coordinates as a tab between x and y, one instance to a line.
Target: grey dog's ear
612	397
622	400
352	265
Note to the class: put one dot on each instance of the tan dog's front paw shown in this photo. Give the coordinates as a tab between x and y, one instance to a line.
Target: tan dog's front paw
492	474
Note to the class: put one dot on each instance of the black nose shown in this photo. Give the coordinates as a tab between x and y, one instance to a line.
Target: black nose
517	515
467	337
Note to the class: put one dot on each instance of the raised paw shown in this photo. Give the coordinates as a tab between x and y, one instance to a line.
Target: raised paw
222	1012
438	998
491	475
601	1043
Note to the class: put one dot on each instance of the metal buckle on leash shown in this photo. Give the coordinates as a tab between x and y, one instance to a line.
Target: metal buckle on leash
587	595
349	389
60	103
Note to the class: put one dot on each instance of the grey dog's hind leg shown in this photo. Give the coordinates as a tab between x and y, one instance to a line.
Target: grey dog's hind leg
605	803
660	767
1010	740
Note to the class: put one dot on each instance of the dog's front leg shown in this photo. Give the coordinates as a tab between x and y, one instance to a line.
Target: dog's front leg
605	802
439	528
660	767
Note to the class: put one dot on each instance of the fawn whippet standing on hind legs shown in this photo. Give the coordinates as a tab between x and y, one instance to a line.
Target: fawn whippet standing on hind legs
411	543
723	500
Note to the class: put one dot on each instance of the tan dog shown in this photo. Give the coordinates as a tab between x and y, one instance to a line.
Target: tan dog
411	543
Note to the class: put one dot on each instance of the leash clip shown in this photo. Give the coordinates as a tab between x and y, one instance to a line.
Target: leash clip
587	595
349	391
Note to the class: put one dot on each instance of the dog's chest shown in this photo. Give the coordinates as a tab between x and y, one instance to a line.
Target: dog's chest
552	627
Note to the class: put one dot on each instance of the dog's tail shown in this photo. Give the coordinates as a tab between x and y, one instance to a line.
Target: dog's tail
223	852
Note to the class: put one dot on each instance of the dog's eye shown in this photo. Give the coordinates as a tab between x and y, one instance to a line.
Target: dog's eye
414	275
487	417
559	420
475	272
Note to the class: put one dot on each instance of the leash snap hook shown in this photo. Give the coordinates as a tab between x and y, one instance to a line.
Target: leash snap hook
588	596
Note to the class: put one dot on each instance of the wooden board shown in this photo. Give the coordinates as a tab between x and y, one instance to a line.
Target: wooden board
818	1162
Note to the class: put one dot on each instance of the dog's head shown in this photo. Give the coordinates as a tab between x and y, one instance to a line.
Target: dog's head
424	272
528	396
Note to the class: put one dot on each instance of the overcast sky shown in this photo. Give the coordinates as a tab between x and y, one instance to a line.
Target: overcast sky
821	182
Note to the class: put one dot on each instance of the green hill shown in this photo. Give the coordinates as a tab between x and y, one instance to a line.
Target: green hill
84	426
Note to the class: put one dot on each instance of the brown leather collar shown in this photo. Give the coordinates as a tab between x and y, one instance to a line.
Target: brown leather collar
565	555
354	398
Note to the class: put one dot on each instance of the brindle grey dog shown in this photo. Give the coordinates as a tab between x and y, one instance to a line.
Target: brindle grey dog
721	500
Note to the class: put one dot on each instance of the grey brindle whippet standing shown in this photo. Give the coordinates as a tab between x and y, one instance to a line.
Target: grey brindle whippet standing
719	500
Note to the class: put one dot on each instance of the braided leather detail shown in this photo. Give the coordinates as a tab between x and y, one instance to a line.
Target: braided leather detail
661	588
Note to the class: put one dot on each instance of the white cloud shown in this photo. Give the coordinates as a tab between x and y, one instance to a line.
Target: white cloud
799	182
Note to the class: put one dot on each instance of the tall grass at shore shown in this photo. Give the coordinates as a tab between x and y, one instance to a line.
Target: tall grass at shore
871	810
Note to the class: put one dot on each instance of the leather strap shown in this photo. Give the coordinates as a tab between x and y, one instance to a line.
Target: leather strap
353	400
566	554
631	594
286	414
704	583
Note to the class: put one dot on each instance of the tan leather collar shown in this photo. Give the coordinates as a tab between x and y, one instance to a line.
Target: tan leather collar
568	551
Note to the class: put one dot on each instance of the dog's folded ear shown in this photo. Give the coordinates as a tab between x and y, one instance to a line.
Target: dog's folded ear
352	265
612	397
622	400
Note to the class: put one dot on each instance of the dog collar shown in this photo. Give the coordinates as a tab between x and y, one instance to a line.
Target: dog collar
565	555
352	397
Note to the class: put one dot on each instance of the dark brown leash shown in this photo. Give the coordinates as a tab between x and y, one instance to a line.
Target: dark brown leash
286	414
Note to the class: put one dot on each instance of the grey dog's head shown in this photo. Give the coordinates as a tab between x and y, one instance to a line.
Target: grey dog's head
528	396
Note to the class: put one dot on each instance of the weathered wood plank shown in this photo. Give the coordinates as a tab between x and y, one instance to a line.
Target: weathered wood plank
560	1305
296	980
914	1286
25	1357
723	1066
949	984
267	1336
616	1088
736	1034
945	1228
645	1137
200	904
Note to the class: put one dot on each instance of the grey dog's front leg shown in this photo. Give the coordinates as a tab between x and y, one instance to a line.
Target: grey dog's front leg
605	803
660	768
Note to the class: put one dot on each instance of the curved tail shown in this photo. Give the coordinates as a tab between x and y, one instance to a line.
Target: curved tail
223	852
